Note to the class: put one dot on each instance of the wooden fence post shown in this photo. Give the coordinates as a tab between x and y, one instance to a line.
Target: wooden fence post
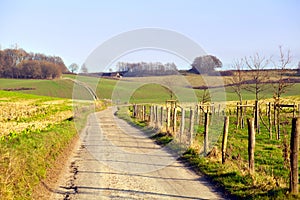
181	124
156	117
138	113
168	119
251	144
151	115
242	116
206	124
212	114
224	140
278	121
191	130
162	117
294	156
270	119
237	116
275	120
145	112
175	120
294	110
256	117
200	116
134	111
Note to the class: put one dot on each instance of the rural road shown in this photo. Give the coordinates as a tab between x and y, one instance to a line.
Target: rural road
114	160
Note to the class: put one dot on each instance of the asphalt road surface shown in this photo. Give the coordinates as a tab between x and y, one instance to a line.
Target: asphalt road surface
114	160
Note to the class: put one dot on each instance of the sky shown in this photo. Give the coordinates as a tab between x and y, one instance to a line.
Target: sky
228	29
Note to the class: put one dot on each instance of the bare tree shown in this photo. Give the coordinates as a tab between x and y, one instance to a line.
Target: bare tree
73	67
258	79
84	69
282	84
258	75
237	81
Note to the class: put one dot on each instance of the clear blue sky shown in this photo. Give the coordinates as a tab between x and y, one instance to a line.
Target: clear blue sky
227	29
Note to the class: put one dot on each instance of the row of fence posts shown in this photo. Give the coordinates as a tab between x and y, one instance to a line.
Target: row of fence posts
272	113
140	112
294	149
158	116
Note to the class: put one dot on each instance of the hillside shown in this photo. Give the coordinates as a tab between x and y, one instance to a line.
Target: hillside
54	88
149	92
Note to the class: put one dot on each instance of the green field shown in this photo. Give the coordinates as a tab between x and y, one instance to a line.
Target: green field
54	88
105	88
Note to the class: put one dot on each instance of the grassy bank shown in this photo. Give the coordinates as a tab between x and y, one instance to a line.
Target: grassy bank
35	130
25	158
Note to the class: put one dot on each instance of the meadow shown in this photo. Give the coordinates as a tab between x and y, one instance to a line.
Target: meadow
53	88
146	93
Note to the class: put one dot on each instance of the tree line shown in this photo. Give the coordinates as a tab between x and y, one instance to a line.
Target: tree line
17	63
146	69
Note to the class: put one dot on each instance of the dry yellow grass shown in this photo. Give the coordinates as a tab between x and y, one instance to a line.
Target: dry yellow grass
16	117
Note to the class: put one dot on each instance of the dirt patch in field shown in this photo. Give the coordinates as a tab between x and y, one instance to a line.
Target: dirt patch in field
45	188
18	89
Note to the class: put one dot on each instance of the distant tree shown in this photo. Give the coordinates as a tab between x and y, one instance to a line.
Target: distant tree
34	69
299	68
237	80
13	60
84	68
50	70
30	69
205	64
147	69
73	67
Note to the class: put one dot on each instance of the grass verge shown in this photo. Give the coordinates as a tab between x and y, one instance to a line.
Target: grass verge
26	158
